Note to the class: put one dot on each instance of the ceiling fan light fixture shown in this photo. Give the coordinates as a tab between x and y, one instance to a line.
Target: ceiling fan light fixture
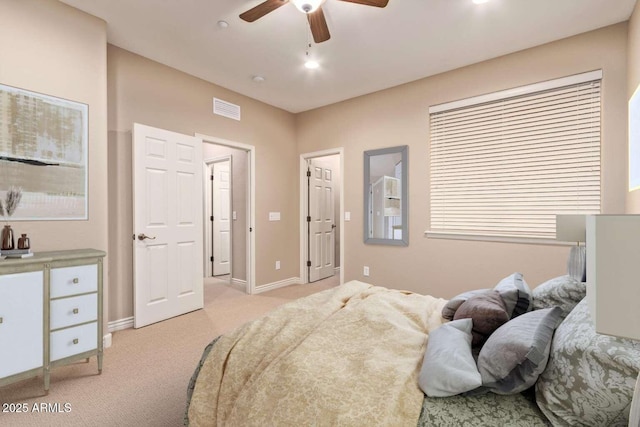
307	6
311	64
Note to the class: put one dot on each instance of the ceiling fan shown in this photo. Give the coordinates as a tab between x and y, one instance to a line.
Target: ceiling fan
313	10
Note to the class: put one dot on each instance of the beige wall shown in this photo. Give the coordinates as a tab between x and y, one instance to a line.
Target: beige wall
400	116
633	80
144	91
54	49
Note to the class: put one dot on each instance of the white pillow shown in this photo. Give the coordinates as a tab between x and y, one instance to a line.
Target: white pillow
448	367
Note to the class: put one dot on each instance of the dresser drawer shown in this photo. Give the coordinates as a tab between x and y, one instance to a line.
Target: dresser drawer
74	280
74	310
67	342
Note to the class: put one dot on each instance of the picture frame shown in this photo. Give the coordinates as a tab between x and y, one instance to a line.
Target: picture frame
44	151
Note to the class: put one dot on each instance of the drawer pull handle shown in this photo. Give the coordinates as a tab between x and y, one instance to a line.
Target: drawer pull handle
75	341
76	311
76	280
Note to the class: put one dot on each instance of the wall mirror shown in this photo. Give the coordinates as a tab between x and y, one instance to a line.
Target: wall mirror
385	196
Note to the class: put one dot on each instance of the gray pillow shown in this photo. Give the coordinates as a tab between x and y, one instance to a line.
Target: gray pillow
516	353
448	367
449	309
590	377
488	313
516	293
564	292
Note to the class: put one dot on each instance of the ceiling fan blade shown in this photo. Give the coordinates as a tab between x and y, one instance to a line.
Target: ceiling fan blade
376	3
262	9
318	25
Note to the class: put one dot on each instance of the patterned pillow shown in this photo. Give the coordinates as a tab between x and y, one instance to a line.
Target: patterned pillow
564	292
590	377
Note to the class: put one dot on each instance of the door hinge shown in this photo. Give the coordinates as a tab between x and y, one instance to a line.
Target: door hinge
308	263
250	229
308	172
211	177
211	217
134	236
211	258
309	219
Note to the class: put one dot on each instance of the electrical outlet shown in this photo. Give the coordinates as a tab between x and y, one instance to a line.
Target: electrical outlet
365	270
277	265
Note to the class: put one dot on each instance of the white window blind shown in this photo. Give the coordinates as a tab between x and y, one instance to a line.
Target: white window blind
504	165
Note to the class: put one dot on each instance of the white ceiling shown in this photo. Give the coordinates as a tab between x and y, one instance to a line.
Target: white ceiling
370	48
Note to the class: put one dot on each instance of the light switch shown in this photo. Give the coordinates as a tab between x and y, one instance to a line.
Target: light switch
274	216
347	216
235	215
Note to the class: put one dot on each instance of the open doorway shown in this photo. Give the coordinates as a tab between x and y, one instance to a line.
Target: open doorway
228	213
219	212
322	212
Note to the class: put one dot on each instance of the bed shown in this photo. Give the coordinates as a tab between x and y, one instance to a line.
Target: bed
363	355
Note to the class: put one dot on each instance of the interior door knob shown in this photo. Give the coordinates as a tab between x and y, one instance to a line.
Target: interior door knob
143	236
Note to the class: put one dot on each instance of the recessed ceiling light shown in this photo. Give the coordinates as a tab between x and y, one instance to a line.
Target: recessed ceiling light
480	1
223	24
257	79
311	64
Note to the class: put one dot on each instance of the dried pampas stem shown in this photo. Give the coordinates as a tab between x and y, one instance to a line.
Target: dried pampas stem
12	200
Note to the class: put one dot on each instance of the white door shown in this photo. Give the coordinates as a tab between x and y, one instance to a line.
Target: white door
221	173
322	215
167	193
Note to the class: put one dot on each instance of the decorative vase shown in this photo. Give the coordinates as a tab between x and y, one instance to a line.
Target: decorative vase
7	238
23	242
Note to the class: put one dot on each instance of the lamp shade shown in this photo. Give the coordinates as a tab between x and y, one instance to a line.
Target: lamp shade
613	270
571	228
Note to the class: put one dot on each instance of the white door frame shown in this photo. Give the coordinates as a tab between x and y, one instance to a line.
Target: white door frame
208	228
251	213
304	194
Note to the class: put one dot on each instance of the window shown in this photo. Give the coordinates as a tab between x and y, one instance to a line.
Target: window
505	164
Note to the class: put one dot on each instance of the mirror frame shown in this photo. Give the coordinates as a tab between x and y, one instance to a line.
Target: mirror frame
403	150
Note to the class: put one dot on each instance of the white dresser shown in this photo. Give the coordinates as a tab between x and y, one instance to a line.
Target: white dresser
50	312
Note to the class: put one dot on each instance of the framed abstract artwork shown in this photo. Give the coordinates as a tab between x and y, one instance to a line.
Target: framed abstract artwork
43	151
634	141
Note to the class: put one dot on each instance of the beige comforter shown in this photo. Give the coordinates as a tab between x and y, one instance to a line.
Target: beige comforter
349	356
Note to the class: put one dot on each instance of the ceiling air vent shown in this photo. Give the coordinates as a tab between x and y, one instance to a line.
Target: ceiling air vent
226	109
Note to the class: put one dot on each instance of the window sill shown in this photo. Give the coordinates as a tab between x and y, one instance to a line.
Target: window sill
501	239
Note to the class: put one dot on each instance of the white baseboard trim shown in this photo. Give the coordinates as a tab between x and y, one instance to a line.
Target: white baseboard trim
106	341
118	325
276	285
239	284
336	270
